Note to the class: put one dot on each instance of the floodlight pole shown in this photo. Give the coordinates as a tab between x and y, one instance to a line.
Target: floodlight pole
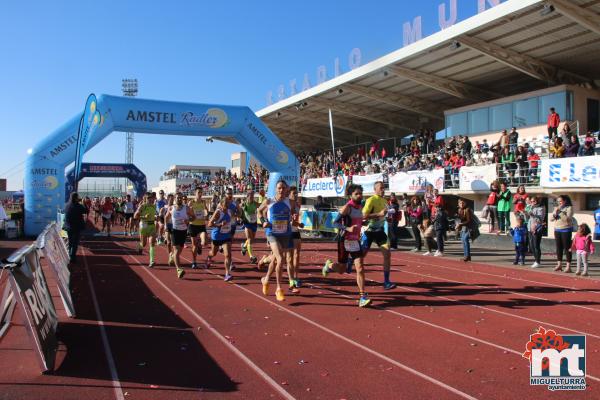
130	89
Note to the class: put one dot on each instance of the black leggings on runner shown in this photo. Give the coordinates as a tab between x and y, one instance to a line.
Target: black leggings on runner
563	245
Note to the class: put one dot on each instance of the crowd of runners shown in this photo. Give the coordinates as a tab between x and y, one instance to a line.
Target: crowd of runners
172	219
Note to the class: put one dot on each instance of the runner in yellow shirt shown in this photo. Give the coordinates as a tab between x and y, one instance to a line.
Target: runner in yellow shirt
146	213
374	211
197	228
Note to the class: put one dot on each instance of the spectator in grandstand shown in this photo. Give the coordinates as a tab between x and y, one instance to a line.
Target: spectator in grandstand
572	148
533	160
74	224
589	145
563	229
485	147
508	164
467	146
513	138
535	213
414	213
522	163
504	206
553	122
504	140
465	216
393	218
566	133
520	200
557	149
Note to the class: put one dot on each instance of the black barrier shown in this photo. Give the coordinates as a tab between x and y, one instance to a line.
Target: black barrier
55	252
30	291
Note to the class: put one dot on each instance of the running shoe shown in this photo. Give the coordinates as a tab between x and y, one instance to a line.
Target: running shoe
194	265
293	289
180	273
535	265
364	301
151	264
389	286
232	267
170	262
414	250
326	268
208	262
438	254
427	253
253	260
265	286
279	295
298	283
243	250
228	278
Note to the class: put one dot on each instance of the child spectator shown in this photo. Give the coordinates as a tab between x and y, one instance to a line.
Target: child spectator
440	225
428	232
584	246
519	235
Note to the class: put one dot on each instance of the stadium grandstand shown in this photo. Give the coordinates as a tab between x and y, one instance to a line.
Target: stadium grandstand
416	107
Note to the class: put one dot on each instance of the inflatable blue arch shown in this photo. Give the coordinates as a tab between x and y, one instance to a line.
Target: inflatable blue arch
108	170
45	166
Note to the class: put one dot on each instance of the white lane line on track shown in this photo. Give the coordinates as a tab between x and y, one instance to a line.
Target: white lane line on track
566	289
464	335
451	331
218	335
478	306
107	350
356	344
426	322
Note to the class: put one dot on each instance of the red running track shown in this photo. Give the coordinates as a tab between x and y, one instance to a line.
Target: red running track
449	331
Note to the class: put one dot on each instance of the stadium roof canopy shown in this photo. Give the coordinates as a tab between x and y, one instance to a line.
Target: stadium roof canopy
515	47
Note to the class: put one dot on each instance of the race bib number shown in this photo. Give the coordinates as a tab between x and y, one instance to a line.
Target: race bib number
199	214
352	246
280	226
226	228
107	215
251	218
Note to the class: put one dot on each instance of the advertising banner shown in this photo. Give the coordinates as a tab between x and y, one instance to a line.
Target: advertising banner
416	181
477	179
30	288
367	182
55	252
90	121
574	172
322	221
326	187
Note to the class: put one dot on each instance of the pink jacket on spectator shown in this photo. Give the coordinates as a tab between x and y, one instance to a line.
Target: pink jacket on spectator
583	243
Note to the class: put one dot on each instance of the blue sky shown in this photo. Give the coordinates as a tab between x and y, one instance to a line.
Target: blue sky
228	52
